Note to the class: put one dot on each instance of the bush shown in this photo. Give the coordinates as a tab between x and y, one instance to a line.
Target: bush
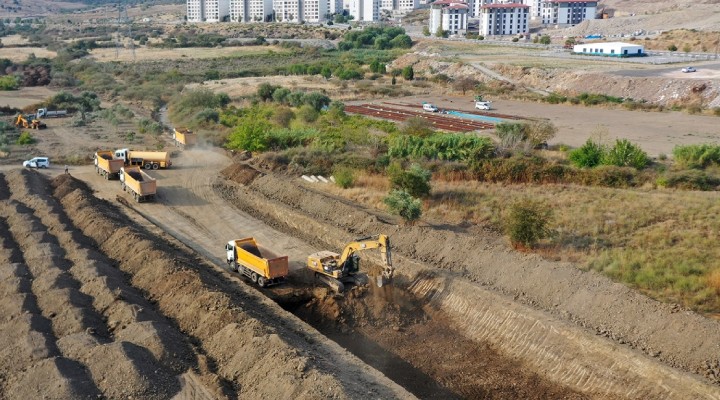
689	180
9	82
441	146
587	156
625	154
415	181
527	223
25	139
344	177
408	73
697	156
401	203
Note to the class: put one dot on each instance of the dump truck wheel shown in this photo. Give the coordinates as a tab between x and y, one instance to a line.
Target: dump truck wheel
155	166
233	266
106	175
147	166
261	281
254	277
122	185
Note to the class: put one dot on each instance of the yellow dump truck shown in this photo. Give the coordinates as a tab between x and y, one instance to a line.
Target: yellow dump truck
135	181
144	159
261	266
106	166
184	137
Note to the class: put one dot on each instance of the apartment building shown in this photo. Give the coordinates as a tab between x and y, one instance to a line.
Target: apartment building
365	10
335	6
562	13
288	10
314	10
450	15
195	10
216	10
251	10
504	19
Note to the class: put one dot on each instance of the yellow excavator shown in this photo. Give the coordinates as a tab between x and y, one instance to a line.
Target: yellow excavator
29	122
336	270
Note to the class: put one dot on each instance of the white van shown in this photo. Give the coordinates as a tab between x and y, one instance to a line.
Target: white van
429	107
37	162
482	105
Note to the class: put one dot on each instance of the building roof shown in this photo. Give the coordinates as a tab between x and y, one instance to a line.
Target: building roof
458	7
448	2
609	44
506	5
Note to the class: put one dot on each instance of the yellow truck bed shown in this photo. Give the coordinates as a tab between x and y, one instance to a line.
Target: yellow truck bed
141	185
261	261
106	166
184	137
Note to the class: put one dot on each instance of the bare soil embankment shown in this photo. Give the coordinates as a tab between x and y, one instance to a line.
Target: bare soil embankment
575	328
102	308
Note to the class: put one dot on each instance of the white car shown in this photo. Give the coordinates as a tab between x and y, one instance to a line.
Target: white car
482	105
37	162
429	107
688	69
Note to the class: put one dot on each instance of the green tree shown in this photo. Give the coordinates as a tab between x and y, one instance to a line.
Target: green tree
672	47
280	95
545	39
408	73
426	30
316	100
381	43
265	91
344	177
415	180
527	223
401	41
326	72
250	135
25	138
308	113
401	203
440	32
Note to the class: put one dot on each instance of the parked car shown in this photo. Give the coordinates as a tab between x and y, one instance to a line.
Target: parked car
482	105
429	107
37	162
688	69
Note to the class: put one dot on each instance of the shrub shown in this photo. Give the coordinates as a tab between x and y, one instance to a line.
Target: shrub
697	155
265	91
308	113
249	135
9	82
689	180
408	73
672	47
401	203
625	154
610	176
441	146
415	181
344	177
588	155
527	223
25	139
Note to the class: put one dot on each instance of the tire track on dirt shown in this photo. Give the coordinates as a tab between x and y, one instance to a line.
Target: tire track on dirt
130	318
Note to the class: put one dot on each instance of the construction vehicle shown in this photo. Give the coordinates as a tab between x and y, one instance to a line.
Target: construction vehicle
141	185
336	270
261	266
144	159
106	165
29	122
45	113
184	137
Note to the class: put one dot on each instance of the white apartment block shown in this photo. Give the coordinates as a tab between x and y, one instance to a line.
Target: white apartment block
365	10
563	13
335	6
288	10
251	10
314	10
216	10
504	19
450	15
407	5
195	11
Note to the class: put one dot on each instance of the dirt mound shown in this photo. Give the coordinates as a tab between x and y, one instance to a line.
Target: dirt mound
245	337
240	173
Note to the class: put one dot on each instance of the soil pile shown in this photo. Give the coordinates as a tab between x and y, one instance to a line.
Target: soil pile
240	173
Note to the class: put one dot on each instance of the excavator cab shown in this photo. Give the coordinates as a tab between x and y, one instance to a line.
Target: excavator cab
335	270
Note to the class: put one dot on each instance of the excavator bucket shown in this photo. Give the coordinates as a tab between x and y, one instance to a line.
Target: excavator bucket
380	281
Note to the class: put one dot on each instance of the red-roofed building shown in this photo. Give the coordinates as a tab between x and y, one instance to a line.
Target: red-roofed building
450	15
504	19
562	13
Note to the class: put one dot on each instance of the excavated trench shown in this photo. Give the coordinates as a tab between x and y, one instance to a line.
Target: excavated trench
414	344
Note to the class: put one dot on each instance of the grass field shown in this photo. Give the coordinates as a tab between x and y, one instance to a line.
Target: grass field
661	242
18	54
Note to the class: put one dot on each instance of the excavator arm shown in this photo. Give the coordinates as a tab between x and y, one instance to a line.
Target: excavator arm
381	242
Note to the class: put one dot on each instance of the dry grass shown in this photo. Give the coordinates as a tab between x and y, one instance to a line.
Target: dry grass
664	243
19	54
147	53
